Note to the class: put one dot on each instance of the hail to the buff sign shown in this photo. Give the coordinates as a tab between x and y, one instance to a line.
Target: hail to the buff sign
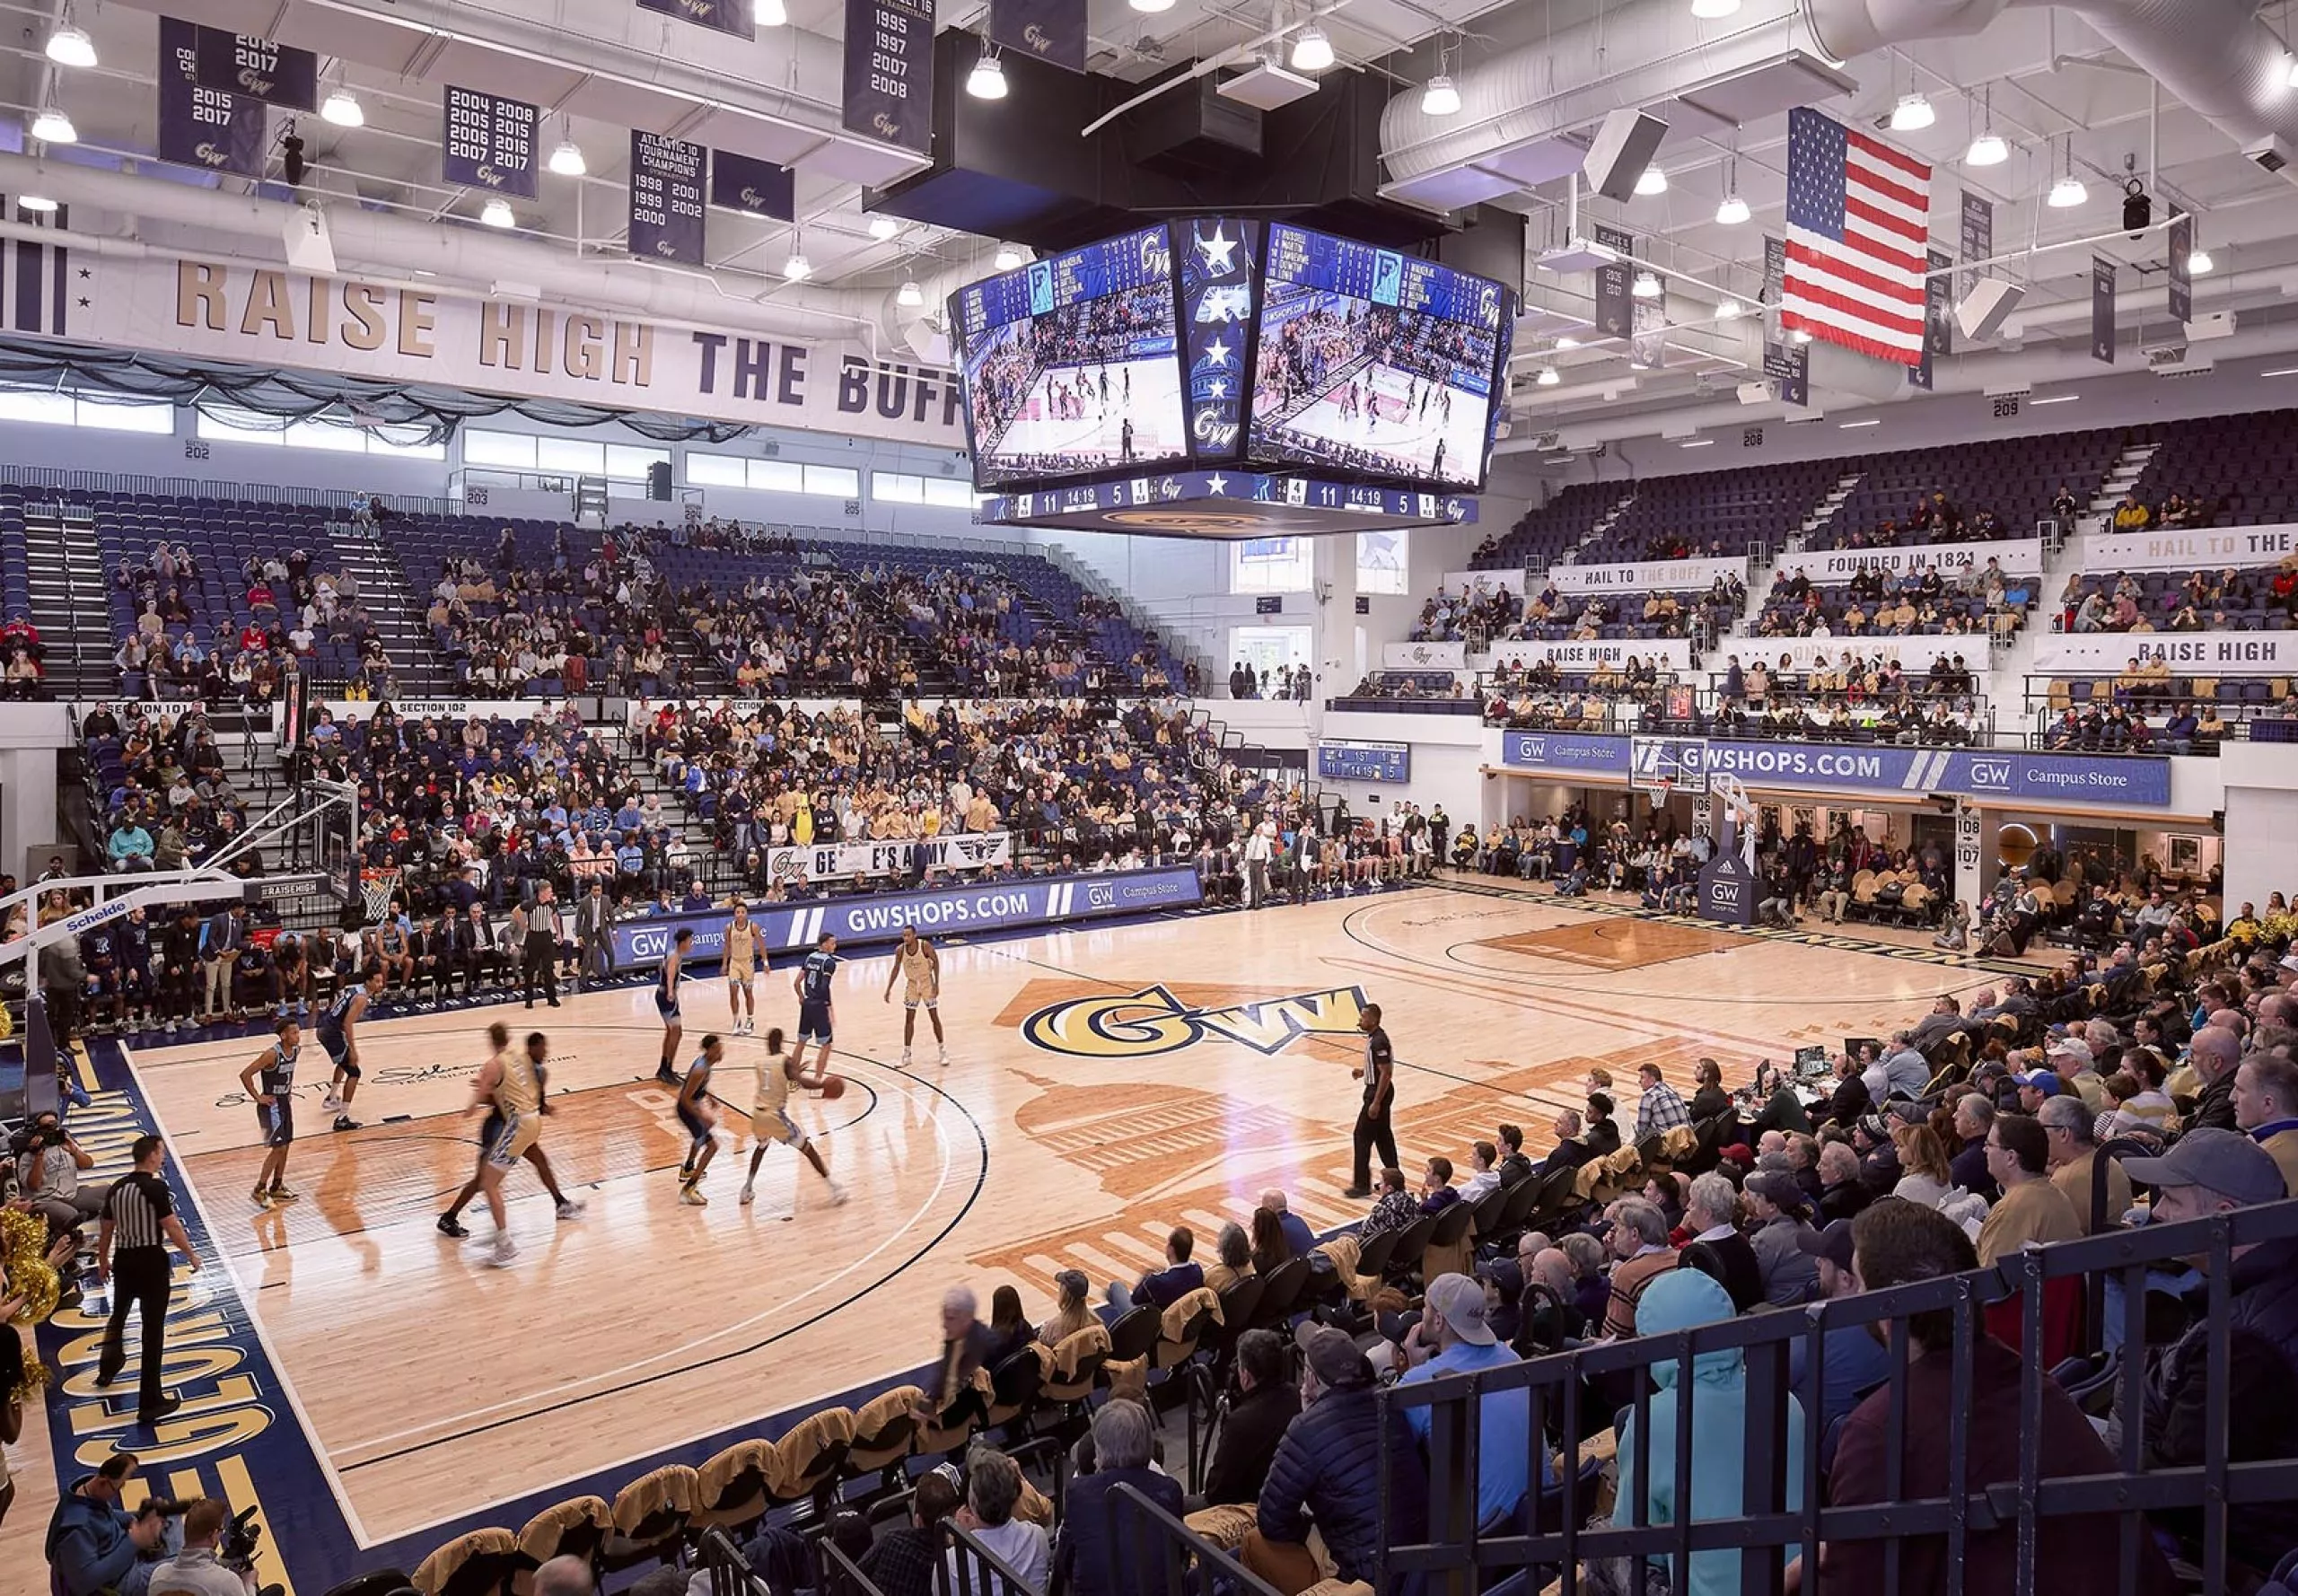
229	312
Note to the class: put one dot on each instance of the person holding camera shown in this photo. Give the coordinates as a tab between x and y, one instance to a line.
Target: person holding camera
48	1162
139	1222
96	1545
201	1569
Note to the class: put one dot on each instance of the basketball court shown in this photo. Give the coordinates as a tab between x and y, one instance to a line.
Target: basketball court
1105	1086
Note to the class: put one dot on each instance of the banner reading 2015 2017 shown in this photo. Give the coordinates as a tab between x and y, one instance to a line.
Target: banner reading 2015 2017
889	72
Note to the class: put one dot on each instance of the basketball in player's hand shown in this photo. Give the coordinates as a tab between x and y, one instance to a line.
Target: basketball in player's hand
833	1087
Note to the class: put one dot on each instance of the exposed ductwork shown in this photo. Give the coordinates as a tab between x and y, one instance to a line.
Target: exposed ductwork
451	258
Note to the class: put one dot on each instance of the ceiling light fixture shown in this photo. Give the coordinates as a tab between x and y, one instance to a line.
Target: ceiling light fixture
2198	262
769	14
1152	7
497	212
40	204
1696	443
343	110
1009	258
911	294
1986	150
1653	181
567	161
987	81
1730	310
1733	212
2068	193
1853	426
70	46
1646	286
2291	76
53	126
1549	377
1311	50
796	267
1710	10
2283	371
1912	114
2056	398
883	228
1441	97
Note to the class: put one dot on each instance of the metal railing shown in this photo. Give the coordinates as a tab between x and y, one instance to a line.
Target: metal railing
35	479
1770	1525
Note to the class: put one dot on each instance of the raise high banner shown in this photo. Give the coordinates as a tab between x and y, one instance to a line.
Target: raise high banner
2207	654
1577	655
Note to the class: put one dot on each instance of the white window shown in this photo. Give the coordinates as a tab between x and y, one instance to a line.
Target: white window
333	435
510	450
42	406
127	415
897	488
1269	649
952	493
223	425
1382	559
629	463
714	470
570	454
1270	565
833	482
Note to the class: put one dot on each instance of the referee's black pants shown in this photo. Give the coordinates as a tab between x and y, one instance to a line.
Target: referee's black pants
140	1279
540	959
1372	1131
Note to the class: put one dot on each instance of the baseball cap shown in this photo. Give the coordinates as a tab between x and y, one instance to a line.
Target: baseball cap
2043	1081
2226	1161
1831	1241
1779	1190
1505	1273
1459	1301
2068	1046
1333	1353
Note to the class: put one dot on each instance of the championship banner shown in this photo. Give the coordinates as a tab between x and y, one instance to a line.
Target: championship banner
735	17
1938	317
2177	548
258	68
1666	653
753	187
488	142
1784	362
201	309
1646	576
1339	759
1910	773
840	861
2102	309
666	199
213	130
880	917
1978	235
1647	338
2017	556
2186	653
1424	656
1615	319
2181	276
1051	30
889	72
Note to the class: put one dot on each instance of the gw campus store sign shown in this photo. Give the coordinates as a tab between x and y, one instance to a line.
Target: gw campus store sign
208	310
2135	781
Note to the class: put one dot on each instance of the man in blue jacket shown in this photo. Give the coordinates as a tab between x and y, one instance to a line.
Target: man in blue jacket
94	1544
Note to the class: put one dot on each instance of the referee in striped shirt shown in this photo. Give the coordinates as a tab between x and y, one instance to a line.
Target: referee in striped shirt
139	1222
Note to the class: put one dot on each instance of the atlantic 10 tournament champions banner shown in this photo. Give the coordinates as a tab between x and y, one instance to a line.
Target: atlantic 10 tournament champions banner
666	196
489	143
889	72
211	128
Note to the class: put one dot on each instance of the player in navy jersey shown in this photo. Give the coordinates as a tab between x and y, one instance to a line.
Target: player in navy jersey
700	1120
666	1005
339	1035
132	947
270	1079
816	1012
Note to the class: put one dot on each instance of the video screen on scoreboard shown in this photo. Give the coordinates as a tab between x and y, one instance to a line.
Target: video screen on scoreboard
1373	361
1072	364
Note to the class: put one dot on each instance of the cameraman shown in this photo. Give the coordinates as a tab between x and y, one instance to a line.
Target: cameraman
47	1167
196	1571
94	1544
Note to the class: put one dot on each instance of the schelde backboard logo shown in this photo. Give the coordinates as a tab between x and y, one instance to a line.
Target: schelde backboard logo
1144	1023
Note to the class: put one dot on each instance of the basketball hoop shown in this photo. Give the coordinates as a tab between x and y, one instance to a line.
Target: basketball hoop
1660	791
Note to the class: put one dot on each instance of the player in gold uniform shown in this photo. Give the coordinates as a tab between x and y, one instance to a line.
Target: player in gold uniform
508	1085
745	952
770	1120
918	967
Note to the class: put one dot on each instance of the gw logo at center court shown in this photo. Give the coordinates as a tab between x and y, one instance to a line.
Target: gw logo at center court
1153	1020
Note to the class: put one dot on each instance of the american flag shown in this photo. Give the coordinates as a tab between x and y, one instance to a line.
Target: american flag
1859	219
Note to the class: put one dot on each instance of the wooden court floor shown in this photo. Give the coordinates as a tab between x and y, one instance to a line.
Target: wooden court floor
1104	1084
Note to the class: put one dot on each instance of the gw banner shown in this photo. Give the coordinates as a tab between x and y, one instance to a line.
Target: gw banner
1668	654
1338	759
2135	781
205	310
213	130
889	72
879	917
488	142
720	16
1424	656
259	68
2188	653
2017	556
666	199
1050	30
1674	576
753	187
1615	319
1483	584
2181	548
838	861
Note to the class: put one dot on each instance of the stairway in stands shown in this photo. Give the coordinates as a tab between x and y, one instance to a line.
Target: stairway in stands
64	578
397	608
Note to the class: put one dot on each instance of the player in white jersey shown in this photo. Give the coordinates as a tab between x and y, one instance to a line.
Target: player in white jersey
770	1120
919	968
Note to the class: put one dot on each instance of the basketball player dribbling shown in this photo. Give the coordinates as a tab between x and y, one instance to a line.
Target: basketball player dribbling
700	1120
743	947
339	1035
507	1083
666	1005
450	1221
816	1012
270	1079
770	1121
919	966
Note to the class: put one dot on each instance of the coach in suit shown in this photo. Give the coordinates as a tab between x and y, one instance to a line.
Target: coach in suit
593	934
482	948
